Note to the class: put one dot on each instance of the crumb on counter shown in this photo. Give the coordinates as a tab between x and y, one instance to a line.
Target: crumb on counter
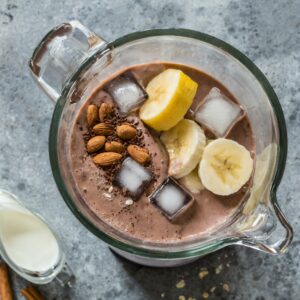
218	269
203	274
180	284
226	287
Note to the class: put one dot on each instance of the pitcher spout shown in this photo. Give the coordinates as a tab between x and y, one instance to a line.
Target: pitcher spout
270	231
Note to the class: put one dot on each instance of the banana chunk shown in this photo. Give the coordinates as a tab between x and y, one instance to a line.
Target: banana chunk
171	94
185	144
225	166
192	182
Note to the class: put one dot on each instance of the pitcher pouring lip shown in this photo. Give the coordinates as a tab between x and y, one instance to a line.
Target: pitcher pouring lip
270	231
264	227
71	48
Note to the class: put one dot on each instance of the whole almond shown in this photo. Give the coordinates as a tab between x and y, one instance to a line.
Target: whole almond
107	158
92	114
126	132
105	111
139	154
114	147
103	129
95	143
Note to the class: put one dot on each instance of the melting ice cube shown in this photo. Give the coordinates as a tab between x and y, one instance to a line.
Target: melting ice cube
126	92
133	177
171	199
218	113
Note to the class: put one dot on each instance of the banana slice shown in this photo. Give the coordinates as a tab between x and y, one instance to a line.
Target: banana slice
171	94
185	143
192	182
225	167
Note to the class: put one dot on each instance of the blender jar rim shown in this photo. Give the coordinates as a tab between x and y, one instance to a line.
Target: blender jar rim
244	60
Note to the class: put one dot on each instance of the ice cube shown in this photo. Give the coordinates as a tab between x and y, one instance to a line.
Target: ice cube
133	177
127	93
171	199
218	113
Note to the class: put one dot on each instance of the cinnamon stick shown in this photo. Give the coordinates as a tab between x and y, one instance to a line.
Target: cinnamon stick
31	293
5	287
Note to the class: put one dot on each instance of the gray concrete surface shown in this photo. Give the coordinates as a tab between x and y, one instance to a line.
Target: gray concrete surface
267	31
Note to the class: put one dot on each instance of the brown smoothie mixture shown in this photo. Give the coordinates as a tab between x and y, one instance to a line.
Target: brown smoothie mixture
141	219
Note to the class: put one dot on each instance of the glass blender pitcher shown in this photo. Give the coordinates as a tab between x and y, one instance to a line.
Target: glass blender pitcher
71	62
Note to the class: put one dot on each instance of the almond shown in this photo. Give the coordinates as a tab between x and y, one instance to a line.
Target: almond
139	154
106	158
92	114
103	129
114	147
126	132
105	111
95	144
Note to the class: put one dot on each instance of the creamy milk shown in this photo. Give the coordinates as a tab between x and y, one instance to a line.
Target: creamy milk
27	240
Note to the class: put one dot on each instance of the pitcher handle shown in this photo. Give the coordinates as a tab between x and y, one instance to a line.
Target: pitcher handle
60	53
279	232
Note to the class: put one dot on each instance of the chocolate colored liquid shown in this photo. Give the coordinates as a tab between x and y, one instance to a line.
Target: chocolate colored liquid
142	220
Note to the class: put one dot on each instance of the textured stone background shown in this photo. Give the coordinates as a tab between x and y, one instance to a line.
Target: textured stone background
267	31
